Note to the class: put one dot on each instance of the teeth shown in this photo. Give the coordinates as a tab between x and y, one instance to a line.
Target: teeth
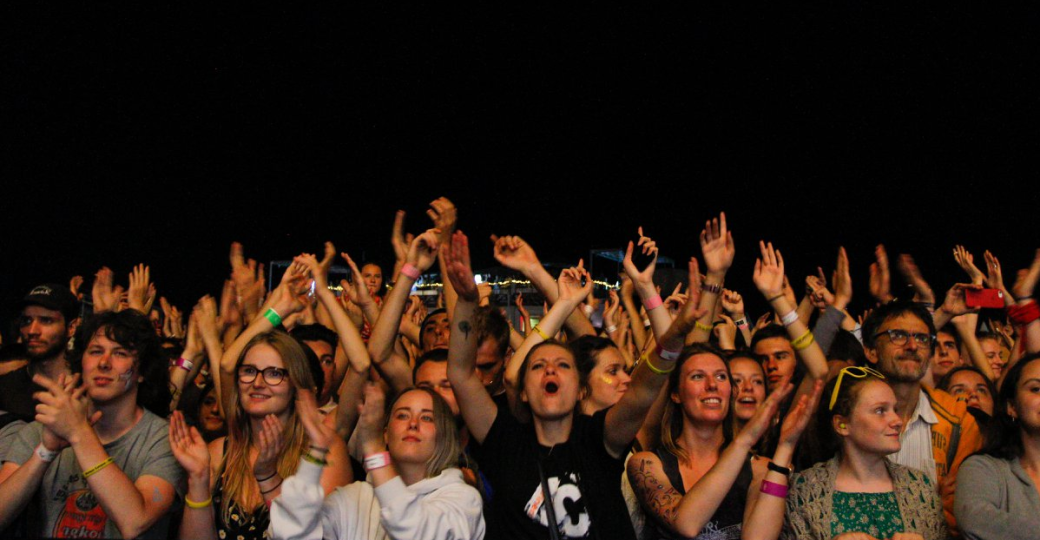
713	401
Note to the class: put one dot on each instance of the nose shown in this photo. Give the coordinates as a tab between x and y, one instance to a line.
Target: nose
34	328
911	344
771	364
896	421
105	362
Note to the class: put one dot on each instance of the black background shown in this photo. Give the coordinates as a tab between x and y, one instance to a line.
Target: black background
161	134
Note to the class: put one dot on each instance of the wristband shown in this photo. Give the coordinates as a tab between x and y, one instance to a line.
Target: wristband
770	299
611	329
311	459
540	332
588	310
701	326
97	468
790	318
774	489
376	461
665	354
45	455
656	369
261	480
192	504
1023	314
272	489
741	323
646	322
184	364
273	316
803	341
411	271
653	302
714	288
786	471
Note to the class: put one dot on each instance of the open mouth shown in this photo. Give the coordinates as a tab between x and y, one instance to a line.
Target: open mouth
551	387
747	401
712	401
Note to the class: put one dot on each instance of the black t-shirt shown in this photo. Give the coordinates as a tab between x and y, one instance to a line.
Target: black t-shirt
16	393
584	480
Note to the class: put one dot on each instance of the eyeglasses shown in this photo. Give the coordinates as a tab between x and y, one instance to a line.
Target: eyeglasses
272	376
900	337
854	371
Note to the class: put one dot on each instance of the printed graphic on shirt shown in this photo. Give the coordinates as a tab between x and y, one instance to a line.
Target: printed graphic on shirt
572	519
81	517
711	531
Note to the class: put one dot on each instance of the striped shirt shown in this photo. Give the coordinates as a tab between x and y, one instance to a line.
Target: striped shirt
916	440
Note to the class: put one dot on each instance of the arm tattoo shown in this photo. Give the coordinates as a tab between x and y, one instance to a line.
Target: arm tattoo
465	327
660	500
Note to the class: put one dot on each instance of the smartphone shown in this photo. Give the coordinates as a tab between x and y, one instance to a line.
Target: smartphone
984	298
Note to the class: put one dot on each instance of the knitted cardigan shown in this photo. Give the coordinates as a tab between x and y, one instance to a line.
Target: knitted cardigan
812	492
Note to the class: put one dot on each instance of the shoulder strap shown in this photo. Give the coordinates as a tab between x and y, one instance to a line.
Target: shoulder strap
547	503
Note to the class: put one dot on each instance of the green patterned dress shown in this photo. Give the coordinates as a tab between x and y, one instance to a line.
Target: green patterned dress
876	514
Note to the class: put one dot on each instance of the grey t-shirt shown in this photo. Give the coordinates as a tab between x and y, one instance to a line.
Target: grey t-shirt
65	506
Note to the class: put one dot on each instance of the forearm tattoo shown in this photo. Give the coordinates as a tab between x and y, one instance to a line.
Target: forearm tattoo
465	327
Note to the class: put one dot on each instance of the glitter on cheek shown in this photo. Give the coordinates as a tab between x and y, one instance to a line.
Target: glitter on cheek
608	379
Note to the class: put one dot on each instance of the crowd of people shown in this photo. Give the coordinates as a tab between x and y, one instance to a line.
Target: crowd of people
358	411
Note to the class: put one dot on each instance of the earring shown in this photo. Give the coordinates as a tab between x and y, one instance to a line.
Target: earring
842	425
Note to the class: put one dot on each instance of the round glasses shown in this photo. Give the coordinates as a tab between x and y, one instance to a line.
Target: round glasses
900	337
272	376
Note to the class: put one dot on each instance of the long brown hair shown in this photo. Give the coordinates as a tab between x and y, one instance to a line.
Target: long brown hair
673	418
239	483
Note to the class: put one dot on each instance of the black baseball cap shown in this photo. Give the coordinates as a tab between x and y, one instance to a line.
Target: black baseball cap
53	296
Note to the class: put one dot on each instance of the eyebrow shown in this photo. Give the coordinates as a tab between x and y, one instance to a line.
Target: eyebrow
403	408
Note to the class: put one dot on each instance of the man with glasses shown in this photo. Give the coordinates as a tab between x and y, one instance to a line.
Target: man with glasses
938	433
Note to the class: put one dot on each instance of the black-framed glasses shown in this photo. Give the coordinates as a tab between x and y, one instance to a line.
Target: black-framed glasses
900	337
272	376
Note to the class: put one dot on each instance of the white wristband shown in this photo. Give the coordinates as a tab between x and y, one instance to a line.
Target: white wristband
790	318
377	461
588	309
611	329
46	456
185	364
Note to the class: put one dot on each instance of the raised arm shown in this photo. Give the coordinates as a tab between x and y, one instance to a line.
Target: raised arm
477	407
643	282
718	251
516	254
687	514
880	276
189	363
358	292
421	255
445	217
1025	313
769	278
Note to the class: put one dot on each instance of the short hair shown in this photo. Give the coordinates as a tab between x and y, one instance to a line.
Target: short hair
132	330
490	323
1003	435
949	329
314	366
314	332
436	355
891	310
586	351
767	332
448	449
846	347
988	335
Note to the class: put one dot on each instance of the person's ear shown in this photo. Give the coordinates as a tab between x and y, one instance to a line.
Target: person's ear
871	353
840	425
1012	412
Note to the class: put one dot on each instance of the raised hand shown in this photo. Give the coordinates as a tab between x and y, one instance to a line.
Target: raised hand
205	314
456	259
269	446
188	447
717	245
763	418
137	293
570	284
423	250
818	293
769	271
676	300
880	277
732	303
104	298
644	279
798	417
444	216
994	277
63	408
955	303
922	291
398	239
76	282
318	432
1026	281
967	263
842	281
358	291
371	420
326	261
230	312
726	331
514	253
611	307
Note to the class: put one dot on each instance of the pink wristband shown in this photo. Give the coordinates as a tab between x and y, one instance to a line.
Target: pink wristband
653	302
410	271
376	461
774	489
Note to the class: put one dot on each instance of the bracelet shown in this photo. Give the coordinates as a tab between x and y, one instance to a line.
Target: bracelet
45	455
273	316
786	471
258	480
272	489
611	329
540	332
96	468
656	369
1023	314
192	504
804	341
411	271
741	323
184	364
311	459
653	302
701	326
646	322
588	310
714	288
666	354
770	300
774	489
790	318
376	461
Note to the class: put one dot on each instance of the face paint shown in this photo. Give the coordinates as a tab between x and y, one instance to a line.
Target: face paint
126	376
607	379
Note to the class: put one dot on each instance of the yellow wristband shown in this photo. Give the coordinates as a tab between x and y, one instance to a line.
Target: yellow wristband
701	326
656	369
96	468
193	504
540	332
804	341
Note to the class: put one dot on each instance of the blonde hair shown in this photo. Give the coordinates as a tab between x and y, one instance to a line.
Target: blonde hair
236	472
447	451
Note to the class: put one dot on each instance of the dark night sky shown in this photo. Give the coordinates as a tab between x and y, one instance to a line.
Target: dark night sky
162	134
